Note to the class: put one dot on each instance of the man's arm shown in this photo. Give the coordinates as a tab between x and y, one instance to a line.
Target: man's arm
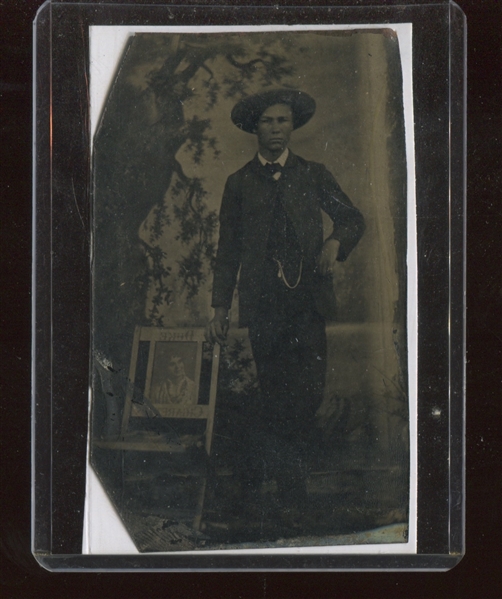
228	258
348	222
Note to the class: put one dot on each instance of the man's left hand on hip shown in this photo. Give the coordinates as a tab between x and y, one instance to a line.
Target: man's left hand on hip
326	261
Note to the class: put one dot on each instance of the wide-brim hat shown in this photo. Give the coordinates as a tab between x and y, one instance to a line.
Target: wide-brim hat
247	112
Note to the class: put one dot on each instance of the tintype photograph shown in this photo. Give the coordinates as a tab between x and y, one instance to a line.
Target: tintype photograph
253	330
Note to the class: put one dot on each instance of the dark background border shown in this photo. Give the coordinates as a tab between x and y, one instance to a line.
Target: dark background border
479	572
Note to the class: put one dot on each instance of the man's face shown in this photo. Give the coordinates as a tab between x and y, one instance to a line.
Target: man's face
175	368
274	130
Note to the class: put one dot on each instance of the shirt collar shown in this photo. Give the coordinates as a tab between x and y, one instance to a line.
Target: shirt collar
281	160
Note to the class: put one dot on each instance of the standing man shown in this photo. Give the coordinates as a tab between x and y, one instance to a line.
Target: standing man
271	232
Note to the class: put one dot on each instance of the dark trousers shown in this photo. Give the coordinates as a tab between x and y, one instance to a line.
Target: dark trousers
290	356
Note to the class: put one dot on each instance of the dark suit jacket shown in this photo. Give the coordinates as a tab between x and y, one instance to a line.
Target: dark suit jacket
245	218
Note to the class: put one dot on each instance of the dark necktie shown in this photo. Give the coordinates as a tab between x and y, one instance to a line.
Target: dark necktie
273	167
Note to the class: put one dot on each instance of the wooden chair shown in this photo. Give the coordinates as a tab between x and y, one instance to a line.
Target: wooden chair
150	394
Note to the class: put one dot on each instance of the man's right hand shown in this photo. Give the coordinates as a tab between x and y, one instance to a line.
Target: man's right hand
217	329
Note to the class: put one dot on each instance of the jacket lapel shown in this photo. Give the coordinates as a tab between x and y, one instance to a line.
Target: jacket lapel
292	185
297	198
